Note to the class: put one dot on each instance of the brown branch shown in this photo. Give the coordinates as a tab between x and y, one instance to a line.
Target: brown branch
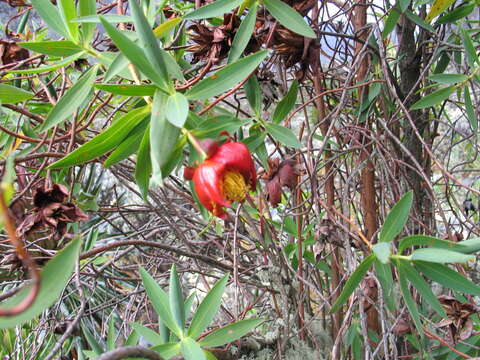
181	252
129	352
27	261
443	342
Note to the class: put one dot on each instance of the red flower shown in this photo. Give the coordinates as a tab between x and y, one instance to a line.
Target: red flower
225	176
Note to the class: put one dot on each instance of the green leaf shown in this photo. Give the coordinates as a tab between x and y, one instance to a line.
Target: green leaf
132	339
128	146
105	141
52	47
419	21
458	13
382	251
176	298
168	350
396	218
111	18
51	16
94	345
283	135
71	100
226	78
438	255
470	110
469	246
134	54
176	109
434	98
470	51
47	68
403	4
214	9
447	277
243	35
230	333
54	277
160	301
423	287
143	168
67	13
253	93
411	305
128	89
286	104
111	335
391	21
11	94
448	78
437	8
353	282
163	137
207	309
151	336
149	42
191	350
419	240
87	8
289	18
384	275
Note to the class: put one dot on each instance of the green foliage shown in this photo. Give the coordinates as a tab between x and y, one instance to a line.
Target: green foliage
172	310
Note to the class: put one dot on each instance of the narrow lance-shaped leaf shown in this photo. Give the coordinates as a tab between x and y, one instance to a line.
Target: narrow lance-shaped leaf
87	8
469	109
253	93
434	98
448	78
396	218
430	241
163	136
423	287
148	334
72	99
289	18
458	13
437	8
54	278
191	350
207	309
470	51
176	298
226	78
128	146
411	305
384	275
143	168
442	256
149	42
11	94
283	135
286	104
68	13
243	35
47	68
134	54
230	333
53	47
105	141
51	16
447	277
353	282
160	301
177	109
214	9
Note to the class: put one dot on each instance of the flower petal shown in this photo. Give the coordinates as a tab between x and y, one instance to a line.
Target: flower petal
207	180
235	155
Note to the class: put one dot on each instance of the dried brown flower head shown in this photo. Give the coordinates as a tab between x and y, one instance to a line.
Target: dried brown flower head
280	174
51	210
458	321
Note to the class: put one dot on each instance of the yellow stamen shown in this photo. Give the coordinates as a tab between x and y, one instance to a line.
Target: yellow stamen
234	187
